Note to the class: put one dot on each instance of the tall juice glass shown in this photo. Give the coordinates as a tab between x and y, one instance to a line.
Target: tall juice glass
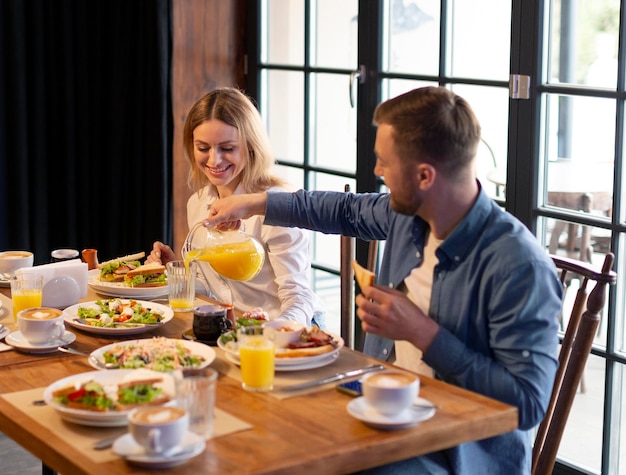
181	285
256	358
26	292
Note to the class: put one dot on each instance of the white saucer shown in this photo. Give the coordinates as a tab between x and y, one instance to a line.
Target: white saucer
191	445
17	340
361	410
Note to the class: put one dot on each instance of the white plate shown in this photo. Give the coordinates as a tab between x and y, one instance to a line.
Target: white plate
71	313
191	445
118	289
17	340
4	332
194	347
112	377
4	282
281	363
330	358
361	410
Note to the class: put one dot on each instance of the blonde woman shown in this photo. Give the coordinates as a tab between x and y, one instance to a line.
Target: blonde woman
229	153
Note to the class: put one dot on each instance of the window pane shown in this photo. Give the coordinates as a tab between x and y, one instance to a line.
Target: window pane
579	150
324	181
339	49
283	111
478	25
491	106
411	36
395	87
282	32
326	286
582	440
333	123
293	176
583	42
618	417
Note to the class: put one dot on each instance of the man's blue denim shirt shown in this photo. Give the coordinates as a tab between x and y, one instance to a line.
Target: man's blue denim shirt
496	296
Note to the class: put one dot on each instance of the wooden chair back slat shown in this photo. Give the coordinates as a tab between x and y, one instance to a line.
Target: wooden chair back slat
575	349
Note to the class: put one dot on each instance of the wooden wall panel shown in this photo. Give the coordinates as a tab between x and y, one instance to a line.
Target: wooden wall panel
208	52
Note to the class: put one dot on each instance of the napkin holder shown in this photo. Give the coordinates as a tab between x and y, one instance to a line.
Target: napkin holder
64	283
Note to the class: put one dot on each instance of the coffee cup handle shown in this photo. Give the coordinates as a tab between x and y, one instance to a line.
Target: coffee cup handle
59	331
154	440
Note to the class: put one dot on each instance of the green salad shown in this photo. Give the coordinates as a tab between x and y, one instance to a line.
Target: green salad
110	312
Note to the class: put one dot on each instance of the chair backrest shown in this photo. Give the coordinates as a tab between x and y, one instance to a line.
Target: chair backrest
575	348
347	282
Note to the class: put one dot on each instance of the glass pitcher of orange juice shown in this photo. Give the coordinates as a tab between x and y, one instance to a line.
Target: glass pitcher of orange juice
233	254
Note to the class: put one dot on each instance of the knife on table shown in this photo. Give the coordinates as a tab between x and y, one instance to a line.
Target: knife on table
331	379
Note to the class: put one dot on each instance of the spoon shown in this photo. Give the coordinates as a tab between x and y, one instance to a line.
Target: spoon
92	358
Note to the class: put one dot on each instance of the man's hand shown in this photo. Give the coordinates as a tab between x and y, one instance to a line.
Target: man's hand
389	313
226	213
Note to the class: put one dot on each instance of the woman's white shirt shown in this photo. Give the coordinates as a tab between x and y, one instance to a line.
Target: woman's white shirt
283	286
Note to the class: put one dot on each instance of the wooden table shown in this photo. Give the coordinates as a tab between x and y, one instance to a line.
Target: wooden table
312	433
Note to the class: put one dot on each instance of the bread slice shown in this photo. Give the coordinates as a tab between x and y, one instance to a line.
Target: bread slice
128	258
147	269
363	276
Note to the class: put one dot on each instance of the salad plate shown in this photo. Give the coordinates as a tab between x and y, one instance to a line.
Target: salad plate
289	364
119	289
191	445
71	317
361	410
109	380
162	354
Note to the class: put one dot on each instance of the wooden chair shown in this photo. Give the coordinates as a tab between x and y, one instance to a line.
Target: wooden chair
575	348
347	282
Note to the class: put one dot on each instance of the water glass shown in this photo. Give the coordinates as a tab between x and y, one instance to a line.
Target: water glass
181	283
195	393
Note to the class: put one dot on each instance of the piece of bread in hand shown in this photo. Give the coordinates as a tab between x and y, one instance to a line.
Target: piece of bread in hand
363	276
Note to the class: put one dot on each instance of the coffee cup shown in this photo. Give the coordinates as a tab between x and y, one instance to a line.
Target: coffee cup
41	324
10	261
209	322
390	392
60	255
158	429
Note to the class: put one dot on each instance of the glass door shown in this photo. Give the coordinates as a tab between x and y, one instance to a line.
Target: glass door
546	80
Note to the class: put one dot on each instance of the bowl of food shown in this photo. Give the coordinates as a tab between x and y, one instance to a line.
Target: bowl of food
285	331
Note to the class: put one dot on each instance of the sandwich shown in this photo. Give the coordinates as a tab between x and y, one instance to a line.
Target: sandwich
90	396
145	392
93	396
147	275
313	341
363	276
115	269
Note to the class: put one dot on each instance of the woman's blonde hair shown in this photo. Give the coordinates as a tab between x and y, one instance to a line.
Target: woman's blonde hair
231	106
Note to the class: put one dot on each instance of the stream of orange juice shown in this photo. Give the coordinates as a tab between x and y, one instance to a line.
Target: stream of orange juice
235	261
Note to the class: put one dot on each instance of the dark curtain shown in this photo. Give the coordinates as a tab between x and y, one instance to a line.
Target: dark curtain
85	125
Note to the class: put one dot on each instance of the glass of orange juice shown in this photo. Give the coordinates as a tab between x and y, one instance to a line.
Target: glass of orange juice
256	358
26	292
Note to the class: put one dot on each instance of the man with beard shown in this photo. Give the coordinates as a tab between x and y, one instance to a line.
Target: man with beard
464	290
